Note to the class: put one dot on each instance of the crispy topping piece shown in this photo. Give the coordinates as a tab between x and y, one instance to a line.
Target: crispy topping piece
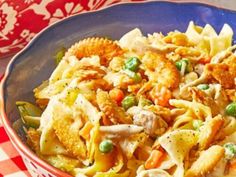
106	49
209	131
67	130
111	109
206	162
161	70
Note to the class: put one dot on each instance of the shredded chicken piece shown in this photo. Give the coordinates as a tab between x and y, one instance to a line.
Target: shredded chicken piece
160	69
106	49
153	124
161	111
206	162
115	113
122	129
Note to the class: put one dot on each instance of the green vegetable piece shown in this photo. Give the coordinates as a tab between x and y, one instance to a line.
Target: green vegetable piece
106	146
132	64
179	64
231	109
144	102
230	150
31	121
30	114
135	76
197	124
60	54
128	102
203	86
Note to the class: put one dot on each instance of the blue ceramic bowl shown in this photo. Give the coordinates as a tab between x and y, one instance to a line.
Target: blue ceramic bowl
35	63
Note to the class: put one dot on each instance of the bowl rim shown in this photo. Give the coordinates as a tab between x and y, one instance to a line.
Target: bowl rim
15	139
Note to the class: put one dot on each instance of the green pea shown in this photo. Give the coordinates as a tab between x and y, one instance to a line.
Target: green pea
132	64
144	102
135	76
179	64
106	146
203	86
231	109
60	54
230	150
128	102
197	124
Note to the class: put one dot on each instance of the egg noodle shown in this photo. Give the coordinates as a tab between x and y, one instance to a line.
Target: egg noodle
146	106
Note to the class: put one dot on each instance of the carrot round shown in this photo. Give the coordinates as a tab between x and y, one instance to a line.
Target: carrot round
117	95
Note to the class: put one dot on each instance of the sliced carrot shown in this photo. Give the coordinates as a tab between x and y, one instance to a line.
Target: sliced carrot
154	159
232	164
85	131
117	95
205	60
106	120
161	95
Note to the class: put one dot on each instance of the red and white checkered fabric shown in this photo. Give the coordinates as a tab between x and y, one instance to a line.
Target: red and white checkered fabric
11	164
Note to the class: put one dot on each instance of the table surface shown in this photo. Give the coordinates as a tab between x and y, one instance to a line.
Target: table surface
11	164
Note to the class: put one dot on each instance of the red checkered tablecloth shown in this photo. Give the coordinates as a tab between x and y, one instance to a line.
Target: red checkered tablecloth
11	164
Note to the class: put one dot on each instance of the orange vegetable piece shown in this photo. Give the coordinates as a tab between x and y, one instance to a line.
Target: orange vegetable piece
106	120
232	165
205	60
161	95
154	159
85	131
117	95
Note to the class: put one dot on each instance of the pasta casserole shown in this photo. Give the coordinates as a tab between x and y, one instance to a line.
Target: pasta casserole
150	105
